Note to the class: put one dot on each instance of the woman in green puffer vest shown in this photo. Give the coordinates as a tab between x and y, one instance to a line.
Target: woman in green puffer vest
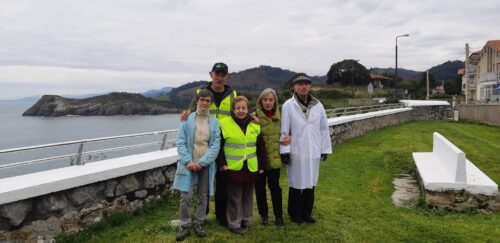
270	122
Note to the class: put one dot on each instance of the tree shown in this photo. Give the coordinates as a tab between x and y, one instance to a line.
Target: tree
421	89
454	87
343	73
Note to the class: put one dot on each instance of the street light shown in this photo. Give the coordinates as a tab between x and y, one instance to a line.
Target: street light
396	72
352	76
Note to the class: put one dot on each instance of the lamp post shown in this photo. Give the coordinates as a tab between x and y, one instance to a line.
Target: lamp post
396	71
352	76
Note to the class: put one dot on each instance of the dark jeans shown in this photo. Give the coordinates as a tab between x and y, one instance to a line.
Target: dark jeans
273	178
300	203
221	196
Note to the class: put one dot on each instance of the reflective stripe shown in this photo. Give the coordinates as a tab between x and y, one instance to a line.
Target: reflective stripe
234	145
231	97
213	112
232	157
237	145
227	113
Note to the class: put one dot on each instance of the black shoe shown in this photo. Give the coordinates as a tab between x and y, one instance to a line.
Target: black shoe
238	231
222	222
309	220
182	234
296	220
264	220
279	222
198	230
246	226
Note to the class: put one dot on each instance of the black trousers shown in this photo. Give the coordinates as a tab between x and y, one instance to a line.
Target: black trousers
221	196
300	203
273	178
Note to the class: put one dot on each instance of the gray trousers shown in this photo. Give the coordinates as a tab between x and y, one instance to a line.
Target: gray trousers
239	204
201	207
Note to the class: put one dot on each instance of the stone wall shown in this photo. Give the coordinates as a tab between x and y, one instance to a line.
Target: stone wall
44	217
461	200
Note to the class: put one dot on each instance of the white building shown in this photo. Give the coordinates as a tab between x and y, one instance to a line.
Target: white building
484	73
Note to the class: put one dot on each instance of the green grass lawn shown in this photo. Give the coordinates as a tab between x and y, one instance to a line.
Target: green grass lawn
353	197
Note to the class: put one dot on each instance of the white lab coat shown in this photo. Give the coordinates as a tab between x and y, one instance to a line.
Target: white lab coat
310	139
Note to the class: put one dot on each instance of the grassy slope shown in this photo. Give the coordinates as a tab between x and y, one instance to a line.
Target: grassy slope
353	198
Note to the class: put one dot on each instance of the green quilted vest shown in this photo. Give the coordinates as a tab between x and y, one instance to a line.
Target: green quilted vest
270	130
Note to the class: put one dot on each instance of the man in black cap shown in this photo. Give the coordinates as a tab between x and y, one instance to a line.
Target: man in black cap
220	108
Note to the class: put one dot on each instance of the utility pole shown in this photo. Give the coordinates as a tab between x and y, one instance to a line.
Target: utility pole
467	73
427	97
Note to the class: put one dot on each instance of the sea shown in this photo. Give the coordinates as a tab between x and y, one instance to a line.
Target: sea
18	131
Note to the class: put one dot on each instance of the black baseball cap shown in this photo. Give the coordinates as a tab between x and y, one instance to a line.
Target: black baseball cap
220	67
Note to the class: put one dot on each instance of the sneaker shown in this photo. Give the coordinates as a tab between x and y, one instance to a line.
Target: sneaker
309	220
264	220
182	234
238	231
279	222
199	231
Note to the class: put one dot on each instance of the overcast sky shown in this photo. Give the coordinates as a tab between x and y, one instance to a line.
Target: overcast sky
83	46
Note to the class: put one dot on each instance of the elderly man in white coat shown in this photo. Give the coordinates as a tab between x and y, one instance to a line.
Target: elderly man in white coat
304	118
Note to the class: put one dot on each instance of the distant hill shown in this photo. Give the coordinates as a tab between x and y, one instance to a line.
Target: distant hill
104	105
249	80
259	78
446	71
157	92
442	72
402	73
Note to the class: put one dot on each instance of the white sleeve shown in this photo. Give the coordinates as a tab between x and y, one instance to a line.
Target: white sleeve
285	125
326	142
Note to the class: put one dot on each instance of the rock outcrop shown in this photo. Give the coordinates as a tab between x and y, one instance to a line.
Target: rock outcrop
104	105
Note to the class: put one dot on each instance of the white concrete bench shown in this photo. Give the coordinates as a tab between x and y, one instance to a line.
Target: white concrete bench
446	168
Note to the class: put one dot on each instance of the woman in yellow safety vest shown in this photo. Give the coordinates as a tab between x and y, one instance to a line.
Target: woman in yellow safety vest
243	156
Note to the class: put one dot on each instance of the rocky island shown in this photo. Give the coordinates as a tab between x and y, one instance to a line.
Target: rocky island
104	105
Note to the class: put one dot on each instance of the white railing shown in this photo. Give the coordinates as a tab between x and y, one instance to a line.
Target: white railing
331	113
77	157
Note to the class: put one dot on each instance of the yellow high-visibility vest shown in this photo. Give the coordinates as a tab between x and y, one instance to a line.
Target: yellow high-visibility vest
239	147
224	109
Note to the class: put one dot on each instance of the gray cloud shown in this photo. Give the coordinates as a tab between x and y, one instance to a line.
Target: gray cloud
156	43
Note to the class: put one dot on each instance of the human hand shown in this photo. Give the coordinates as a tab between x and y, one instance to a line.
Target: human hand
261	171
197	166
184	115
285	158
191	166
223	168
286	140
255	119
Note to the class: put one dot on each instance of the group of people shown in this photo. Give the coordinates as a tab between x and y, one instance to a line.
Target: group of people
226	151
